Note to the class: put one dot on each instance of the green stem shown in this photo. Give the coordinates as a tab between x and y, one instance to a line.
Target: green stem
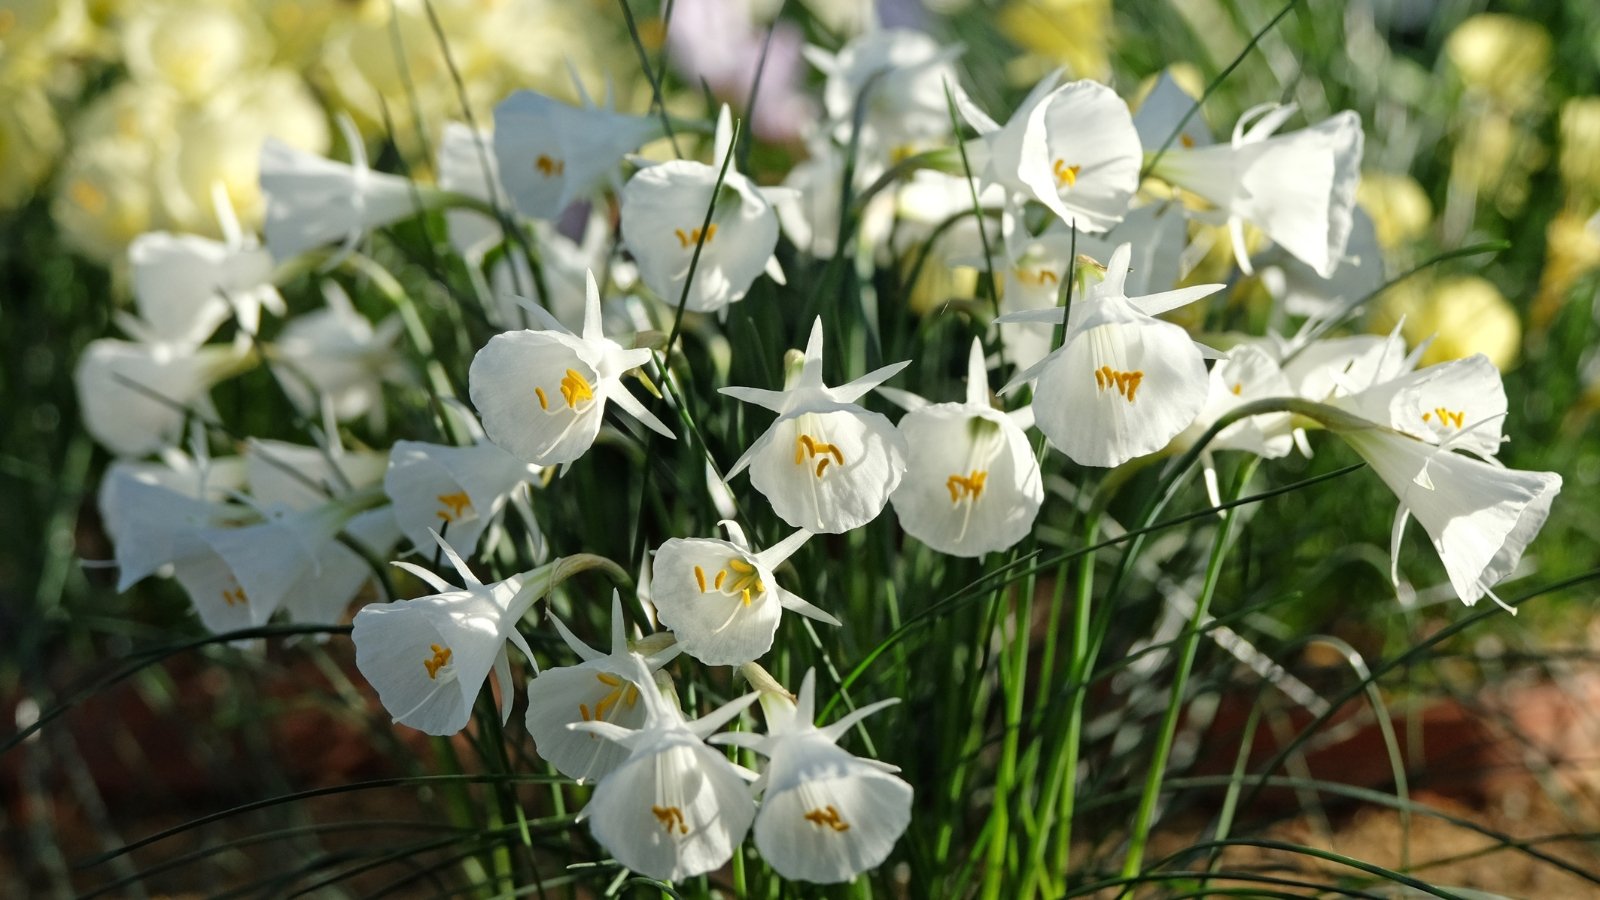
1078	677
1140	835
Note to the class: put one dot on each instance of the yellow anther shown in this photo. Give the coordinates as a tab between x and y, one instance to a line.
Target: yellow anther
671	817
827	817
86	195
583	710
966	485
1447	418
454	506
441	658
1126	383
1186	141
746	596
235	597
549	166
807	446
721	577
822	464
740	566
1238	389
575	388
544	402
692	237
1066	176
1037	277
700	578
608	679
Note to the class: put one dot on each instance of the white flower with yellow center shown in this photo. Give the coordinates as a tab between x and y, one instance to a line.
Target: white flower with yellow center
826	464
1073	148
429	657
1461	403
599	688
826	815
455	491
550	154
972	485
542	394
134	397
664	226
721	599
675	807
1123	383
1298	188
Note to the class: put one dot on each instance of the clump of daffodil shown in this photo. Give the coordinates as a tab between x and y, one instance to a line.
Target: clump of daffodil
1399	207
1464	315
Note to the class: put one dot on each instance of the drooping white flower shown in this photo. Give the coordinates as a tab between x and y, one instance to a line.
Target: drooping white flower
1298	188
1073	148
675	807
826	464
336	354
826	815
1461	402
972	485
663	223
1303	292
904	74
429	657
1479	517
599	688
550	153
456	491
312	200
153	511
542	394
721	599
134	396
1123	383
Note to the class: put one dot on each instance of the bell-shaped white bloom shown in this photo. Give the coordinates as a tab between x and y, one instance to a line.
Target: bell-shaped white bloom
152	512
675	807
542	394
664	224
455	491
185	285
337	354
312	200
467	166
599	688
1461	403
1072	148
826	464
429	657
1163	111
972	485
303	476
1248	372
134	397
904	74
721	599
1123	383
1326	370
1298	188
1303	292
826	815
550	153
809	212
1479	517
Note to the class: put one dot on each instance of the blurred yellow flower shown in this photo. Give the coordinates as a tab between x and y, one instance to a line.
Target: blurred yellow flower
103	200
1494	157
1071	33
1502	56
194	48
1572	250
1398	206
1464	314
1580	150
30	140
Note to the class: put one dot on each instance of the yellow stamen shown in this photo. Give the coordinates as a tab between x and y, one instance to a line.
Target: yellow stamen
1066	176
671	817
828	819
548	166
1037	277
608	679
1238	389
441	658
721	576
823	464
1447	418
1126	383
966	485
544	402
455	505
235	597
746	596
700	578
740	566
692	237
1186	141
807	446
575	388
583	710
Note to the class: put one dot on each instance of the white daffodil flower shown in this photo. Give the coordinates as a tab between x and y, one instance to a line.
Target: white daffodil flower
335	353
1303	292
826	465
134	397
456	491
1073	148
826	815
312	200
1248	372
185	285
542	394
600	688
1298	188
1479	517
1163	110
1326	370
1461	402
972	485
904	74
1123	383
468	166
675	807
721	599
663	224
153	511
550	153
429	657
